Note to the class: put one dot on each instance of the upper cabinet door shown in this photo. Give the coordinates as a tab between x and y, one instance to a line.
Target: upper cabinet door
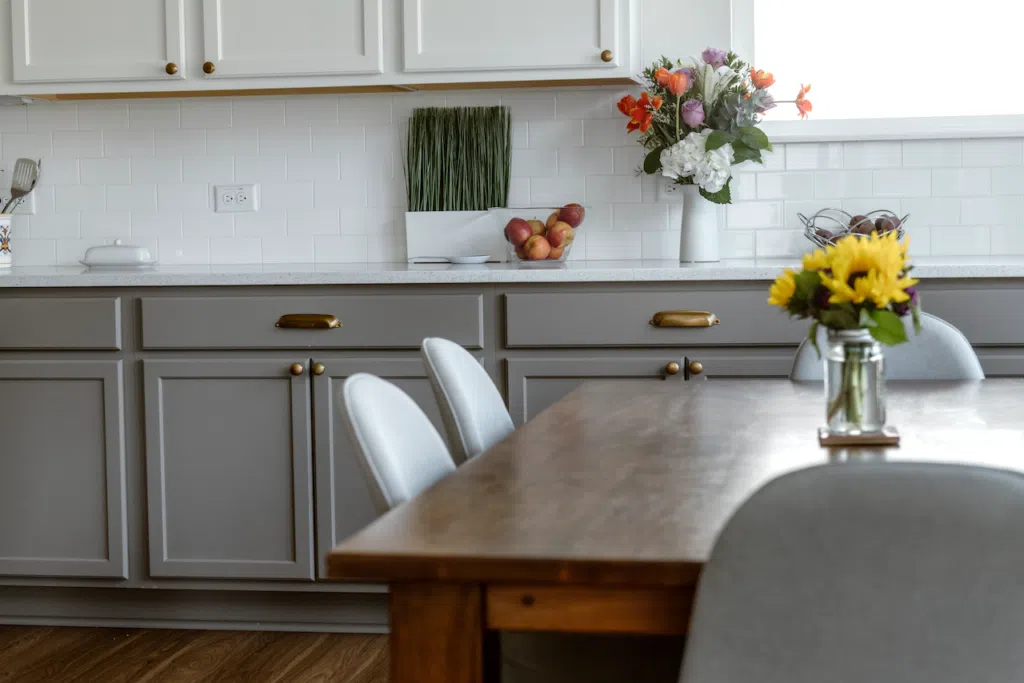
297	38
100	40
464	35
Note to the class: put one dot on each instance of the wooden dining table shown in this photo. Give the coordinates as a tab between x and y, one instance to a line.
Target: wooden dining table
598	515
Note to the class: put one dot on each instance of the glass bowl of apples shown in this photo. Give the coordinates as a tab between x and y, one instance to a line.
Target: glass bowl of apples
541	235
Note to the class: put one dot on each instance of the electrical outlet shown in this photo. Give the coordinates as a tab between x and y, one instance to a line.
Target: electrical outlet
27	205
236	198
669	192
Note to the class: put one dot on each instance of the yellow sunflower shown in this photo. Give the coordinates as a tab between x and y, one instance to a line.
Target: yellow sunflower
868	269
816	260
783	289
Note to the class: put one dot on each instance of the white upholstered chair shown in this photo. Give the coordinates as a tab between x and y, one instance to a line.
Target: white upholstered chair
399	450
472	409
857	572
939	351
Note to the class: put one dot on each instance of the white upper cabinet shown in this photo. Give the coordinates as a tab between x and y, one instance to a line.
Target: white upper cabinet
294	38
496	35
106	40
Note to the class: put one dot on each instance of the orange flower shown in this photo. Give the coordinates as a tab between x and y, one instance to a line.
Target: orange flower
644	101
646	121
631	126
761	79
677	84
802	103
662	75
627	104
656	103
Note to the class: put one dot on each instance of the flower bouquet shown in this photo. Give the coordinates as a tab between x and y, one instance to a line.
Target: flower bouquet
696	120
860	289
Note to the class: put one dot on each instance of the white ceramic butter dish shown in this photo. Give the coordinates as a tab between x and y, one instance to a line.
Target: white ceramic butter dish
118	256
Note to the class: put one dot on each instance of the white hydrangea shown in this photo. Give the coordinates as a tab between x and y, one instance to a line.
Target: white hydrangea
689	158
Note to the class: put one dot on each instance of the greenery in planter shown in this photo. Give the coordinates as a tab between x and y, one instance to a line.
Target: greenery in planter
458	158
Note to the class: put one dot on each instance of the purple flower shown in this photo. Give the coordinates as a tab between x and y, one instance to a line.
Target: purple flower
689	72
821	298
765	102
904	308
693	113
714	57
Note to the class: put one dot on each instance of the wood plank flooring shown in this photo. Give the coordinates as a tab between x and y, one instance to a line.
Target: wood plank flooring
105	655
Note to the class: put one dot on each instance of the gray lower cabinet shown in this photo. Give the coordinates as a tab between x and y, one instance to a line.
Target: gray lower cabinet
62	469
229	468
536	382
343	501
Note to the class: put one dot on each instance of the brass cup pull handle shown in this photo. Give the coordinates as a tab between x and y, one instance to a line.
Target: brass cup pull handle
607	56
695	367
684	319
308	321
672	368
209	67
296	369
171	68
318	369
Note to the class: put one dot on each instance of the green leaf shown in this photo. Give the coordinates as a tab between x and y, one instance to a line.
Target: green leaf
754	138
812	336
723	196
888	328
807	283
915	314
652	162
744	153
840	317
717	139
865	319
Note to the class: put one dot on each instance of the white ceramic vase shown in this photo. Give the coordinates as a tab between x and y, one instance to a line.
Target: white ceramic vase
5	241
698	235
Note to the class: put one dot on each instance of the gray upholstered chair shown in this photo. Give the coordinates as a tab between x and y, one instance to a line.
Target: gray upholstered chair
939	351
473	411
399	450
849	573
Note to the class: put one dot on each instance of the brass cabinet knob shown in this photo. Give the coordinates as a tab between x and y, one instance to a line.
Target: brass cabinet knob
607	56
296	369
695	367
171	68
319	369
209	67
672	368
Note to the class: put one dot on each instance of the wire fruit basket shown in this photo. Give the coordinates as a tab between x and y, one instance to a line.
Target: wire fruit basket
830	225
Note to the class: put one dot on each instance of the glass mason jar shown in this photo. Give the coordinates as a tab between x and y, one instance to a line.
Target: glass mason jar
854	383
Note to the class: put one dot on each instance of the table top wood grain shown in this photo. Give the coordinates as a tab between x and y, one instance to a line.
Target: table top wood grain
630	483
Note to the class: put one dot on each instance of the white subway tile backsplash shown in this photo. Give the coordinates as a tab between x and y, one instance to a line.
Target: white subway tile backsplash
54	117
737	244
958	240
349	140
74	198
743	187
180	142
607	133
533	162
928	211
386	248
206	224
102	115
36	252
54	226
1007	240
131	197
598	103
212	170
71	251
628	159
931	153
556	134
191	197
519	192
258	112
339	194
961	182
262	224
166	170
180	250
232	142
290	250
365	108
814	155
842	183
282	141
780	243
311	111
128	143
62	171
340	248
640	217
77	144
319	167
106	224
585	161
872	154
785	185
520	134
13	119
261	169
808	207
755	214
235	250
660	245
992	152
613	188
993	211
154	115
286	196
370	221
556	191
205	113
902	183
614	246
31	145
530	105
155	225
313	222
1008	180
105	171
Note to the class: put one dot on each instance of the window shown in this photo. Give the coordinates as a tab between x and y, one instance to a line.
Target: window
889	59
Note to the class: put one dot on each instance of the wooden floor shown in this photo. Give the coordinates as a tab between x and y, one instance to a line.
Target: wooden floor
95	655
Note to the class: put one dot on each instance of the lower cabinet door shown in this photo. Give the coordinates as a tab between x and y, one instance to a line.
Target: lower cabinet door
534	383
343	502
229	468
62	479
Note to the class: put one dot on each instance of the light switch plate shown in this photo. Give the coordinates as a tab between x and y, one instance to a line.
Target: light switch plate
236	198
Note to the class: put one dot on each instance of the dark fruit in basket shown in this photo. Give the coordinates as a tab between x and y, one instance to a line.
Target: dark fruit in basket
560	234
517	231
572	214
865	228
556	253
884	224
537	248
537	227
823	233
552	219
857	220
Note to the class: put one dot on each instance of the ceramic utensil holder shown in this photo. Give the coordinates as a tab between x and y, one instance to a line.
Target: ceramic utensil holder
5	241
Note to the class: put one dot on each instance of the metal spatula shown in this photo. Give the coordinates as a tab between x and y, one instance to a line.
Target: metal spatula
23	181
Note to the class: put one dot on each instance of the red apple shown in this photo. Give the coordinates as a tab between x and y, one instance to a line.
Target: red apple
518	231
552	219
572	214
537	227
537	248
560	234
556	253
520	253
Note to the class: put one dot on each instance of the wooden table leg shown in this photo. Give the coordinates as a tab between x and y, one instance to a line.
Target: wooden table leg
437	633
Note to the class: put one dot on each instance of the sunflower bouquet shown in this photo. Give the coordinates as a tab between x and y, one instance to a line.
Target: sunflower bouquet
859	284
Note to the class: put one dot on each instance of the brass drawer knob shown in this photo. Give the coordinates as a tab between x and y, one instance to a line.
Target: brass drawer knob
684	319
319	369
171	68
672	368
209	67
695	367
296	369
308	321
607	56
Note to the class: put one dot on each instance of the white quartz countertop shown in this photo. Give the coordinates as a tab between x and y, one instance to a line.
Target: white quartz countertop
498	273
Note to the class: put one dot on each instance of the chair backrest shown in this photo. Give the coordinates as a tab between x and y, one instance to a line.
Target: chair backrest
399	450
939	351
859	572
472	409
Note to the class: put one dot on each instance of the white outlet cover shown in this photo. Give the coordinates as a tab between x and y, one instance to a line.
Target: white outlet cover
669	192
236	198
27	206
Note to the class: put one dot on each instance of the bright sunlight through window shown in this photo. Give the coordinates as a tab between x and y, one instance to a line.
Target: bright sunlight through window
892	58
